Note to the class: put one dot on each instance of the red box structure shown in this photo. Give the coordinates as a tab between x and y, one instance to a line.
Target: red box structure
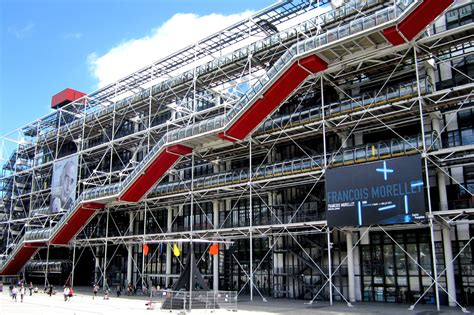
65	97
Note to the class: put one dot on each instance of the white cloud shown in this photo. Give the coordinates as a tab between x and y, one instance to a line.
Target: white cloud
179	31
75	35
21	31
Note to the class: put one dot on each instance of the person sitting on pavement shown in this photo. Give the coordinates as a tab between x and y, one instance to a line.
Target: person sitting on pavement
71	293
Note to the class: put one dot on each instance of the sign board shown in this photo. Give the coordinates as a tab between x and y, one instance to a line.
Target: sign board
383	192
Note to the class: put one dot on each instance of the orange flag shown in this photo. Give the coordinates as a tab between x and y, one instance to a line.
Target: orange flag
214	249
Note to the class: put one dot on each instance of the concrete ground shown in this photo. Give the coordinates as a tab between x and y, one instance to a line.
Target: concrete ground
83	304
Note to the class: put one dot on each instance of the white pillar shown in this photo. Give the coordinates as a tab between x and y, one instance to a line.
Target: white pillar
328	233
105	280
358	138
129	250
436	121
217	99
441	177
215	262
350	267
448	257
430	66
97	265
271	158
168	247
443	195
344	140
436	126
73	263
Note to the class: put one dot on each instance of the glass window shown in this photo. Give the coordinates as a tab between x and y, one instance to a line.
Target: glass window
467	136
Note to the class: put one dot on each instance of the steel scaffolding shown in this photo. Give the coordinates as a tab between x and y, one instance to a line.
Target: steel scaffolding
229	140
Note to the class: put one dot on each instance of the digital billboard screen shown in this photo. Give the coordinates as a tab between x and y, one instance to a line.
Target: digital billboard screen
383	192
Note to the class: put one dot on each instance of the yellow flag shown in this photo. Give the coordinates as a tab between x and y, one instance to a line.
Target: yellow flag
176	251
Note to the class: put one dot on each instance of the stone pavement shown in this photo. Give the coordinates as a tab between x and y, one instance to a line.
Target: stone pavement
293	307
83	304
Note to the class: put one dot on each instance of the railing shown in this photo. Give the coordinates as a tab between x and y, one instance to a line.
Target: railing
16	249
460	20
37	234
388	95
369	152
208	300
55	266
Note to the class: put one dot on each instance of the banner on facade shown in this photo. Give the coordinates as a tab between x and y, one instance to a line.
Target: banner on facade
383	192
63	186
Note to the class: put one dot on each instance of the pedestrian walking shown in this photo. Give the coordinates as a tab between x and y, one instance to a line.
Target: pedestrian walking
22	293
14	293
66	293
30	287
95	289
119	290
106	294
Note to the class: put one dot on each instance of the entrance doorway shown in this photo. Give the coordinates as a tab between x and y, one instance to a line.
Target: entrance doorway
388	272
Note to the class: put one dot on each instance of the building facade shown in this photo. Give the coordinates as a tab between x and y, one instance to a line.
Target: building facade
229	140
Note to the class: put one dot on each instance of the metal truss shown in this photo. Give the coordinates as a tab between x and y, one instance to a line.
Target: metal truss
114	128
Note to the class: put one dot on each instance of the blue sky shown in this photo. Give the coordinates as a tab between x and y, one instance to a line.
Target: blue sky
48	45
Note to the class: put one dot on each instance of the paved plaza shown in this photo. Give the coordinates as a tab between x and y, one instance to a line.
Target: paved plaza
83	303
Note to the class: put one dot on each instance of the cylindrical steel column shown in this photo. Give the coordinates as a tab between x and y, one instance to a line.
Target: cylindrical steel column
215	262
129	250
168	247
350	267
448	257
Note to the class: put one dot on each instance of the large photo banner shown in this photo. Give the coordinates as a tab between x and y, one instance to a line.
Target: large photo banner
383	192
63	186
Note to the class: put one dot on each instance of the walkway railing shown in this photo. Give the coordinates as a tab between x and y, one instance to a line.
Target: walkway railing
185	300
360	154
